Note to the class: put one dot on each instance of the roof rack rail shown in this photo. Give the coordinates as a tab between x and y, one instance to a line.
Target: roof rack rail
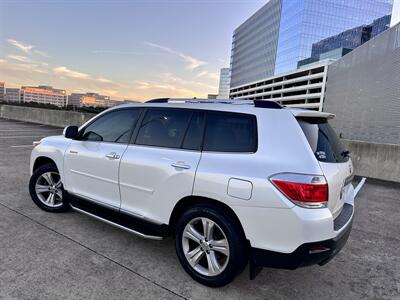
257	103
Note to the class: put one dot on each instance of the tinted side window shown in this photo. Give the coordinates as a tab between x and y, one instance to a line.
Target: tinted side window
194	134
163	128
230	132
113	127
323	140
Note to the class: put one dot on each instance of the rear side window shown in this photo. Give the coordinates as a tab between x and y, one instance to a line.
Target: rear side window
323	140
230	132
164	128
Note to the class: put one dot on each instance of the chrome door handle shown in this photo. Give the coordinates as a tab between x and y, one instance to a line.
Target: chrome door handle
180	165
112	155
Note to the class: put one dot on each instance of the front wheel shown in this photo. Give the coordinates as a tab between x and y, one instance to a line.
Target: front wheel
46	189
210	246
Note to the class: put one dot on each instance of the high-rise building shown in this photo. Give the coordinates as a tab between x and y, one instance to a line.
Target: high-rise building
224	81
12	95
395	13
88	99
282	32
1	91
44	95
254	45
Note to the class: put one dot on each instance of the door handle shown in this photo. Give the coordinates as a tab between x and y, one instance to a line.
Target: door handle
112	155
73	152
180	165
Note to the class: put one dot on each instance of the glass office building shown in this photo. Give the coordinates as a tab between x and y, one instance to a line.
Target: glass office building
338	45
282	32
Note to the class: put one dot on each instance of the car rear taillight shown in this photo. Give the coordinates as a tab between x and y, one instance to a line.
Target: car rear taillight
309	191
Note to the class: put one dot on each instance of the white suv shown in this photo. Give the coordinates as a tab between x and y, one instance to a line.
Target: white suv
233	181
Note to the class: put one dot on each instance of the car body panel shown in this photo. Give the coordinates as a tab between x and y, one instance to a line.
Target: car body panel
151	185
143	182
89	173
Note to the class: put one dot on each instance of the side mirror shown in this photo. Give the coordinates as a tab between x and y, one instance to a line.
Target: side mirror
71	132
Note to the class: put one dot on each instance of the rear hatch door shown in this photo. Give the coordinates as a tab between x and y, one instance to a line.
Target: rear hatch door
332	156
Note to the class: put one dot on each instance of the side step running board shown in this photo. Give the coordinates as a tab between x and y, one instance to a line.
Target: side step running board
151	237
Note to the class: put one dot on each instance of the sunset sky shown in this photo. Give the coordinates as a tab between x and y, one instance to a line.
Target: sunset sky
125	49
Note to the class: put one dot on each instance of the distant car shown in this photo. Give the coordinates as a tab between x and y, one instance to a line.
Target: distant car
233	181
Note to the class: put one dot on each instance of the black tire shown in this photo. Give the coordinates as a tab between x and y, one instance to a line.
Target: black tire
64	206
238	256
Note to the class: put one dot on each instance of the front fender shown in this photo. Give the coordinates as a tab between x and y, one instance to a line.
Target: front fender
52	148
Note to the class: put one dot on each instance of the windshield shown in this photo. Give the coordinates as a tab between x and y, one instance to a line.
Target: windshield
323	140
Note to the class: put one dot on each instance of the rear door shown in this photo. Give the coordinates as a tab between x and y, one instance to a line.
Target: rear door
333	158
159	168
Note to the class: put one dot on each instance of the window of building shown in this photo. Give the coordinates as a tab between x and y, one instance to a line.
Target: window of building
114	127
230	132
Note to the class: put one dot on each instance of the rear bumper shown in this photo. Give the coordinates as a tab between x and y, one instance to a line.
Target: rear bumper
307	254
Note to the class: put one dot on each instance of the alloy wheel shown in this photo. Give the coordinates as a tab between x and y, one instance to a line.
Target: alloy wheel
48	189
205	246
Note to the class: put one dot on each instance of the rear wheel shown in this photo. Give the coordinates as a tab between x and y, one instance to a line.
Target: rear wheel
210	246
46	189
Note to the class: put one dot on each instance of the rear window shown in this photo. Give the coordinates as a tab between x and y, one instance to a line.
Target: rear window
323	140
230	132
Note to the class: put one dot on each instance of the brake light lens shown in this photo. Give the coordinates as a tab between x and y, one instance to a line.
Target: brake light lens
309	191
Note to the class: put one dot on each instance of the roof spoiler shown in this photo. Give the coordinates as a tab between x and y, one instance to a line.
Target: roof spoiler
312	114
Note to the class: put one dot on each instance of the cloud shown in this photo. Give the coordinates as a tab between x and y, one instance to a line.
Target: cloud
207	74
21	46
158	89
117	52
102	82
191	62
23	66
28	49
64	71
41	53
19	58
171	78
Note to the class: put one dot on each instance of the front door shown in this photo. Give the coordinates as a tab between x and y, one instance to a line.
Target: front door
91	163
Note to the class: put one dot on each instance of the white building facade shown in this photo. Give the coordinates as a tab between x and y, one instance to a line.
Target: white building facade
302	88
1	91
44	95
224	83
12	95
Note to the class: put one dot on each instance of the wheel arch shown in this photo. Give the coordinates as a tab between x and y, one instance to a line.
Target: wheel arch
189	201
41	161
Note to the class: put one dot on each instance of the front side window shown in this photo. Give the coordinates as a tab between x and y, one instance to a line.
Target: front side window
164	128
230	132
113	127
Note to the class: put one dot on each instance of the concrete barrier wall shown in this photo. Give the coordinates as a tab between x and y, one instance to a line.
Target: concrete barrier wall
381	161
58	118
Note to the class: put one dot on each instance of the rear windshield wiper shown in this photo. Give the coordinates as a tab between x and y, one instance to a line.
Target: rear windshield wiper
345	153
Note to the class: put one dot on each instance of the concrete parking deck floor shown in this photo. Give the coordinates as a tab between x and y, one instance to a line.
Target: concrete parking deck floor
69	255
